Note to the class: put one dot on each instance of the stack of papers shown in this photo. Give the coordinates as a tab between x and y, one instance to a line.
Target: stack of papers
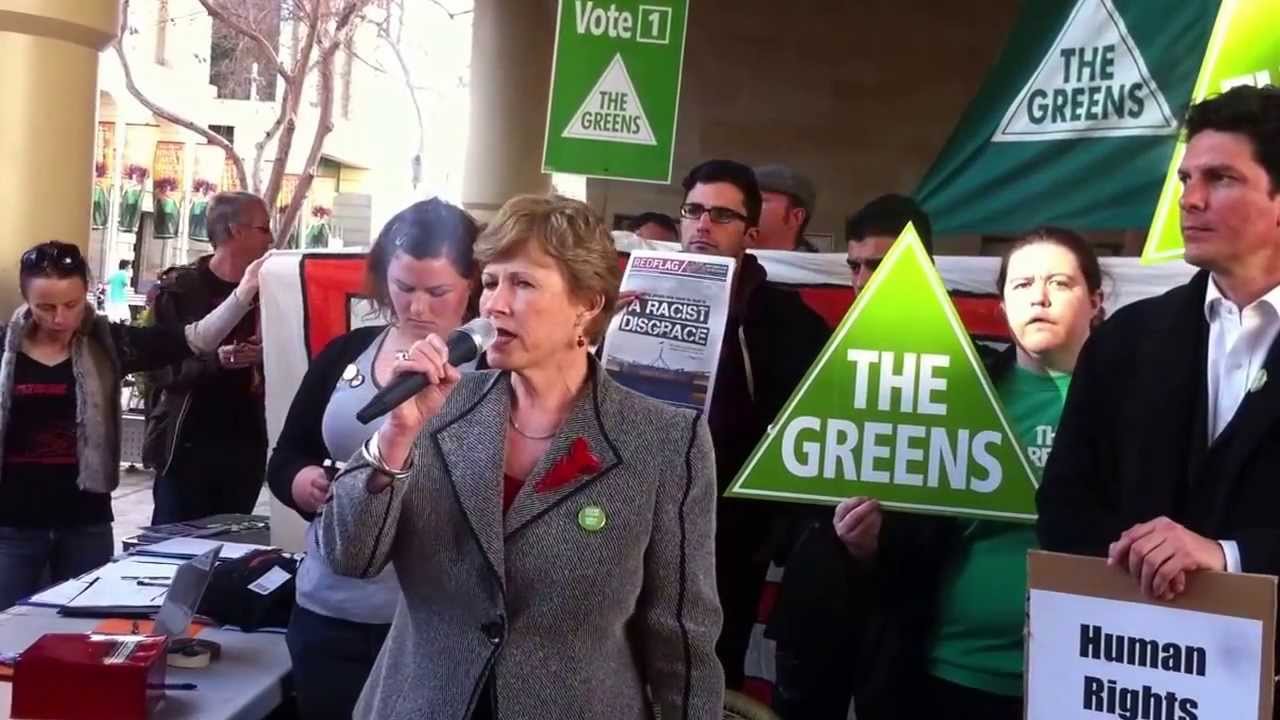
134	586
131	587
153	570
187	548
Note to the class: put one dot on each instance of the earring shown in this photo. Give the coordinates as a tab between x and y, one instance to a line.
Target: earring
582	342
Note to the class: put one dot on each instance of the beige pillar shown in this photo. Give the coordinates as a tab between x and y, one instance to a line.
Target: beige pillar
511	49
49	72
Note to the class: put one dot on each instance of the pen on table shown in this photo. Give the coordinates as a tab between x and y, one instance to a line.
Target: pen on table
171	686
153	583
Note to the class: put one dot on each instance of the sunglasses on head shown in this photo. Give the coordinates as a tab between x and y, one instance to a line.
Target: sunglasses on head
719	215
53	255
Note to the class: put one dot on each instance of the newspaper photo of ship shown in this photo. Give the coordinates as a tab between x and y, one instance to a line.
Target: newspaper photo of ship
665	343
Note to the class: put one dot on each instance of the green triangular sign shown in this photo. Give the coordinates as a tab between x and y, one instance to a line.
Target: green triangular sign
897	407
1244	49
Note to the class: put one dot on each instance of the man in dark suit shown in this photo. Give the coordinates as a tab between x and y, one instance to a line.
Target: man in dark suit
1167	458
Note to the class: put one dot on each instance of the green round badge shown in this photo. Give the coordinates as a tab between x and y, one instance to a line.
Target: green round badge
592	518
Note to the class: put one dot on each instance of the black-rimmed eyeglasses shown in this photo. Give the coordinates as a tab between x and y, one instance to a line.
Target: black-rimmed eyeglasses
719	215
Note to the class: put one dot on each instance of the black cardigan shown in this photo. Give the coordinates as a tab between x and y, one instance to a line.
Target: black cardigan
301	441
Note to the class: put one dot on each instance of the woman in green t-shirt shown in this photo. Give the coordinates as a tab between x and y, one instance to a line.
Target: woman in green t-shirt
969	627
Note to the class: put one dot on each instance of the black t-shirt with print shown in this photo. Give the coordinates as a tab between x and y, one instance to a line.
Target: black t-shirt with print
38	479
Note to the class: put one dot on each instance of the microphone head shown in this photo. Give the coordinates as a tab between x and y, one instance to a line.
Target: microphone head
482	331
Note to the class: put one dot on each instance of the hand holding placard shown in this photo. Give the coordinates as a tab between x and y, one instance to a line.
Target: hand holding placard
1160	553
1097	648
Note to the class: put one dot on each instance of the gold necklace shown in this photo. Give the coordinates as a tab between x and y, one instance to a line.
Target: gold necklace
511	419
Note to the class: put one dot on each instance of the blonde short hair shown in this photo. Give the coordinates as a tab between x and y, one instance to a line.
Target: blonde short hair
572	235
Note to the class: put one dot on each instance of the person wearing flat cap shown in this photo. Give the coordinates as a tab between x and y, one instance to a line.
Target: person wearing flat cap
788	198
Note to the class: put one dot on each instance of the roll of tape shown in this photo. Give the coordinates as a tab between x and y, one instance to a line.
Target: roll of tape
192	653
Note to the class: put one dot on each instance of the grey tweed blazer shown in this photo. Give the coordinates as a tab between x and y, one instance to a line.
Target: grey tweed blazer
564	622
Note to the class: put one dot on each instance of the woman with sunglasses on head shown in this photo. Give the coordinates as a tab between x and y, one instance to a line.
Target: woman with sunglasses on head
60	374
419	274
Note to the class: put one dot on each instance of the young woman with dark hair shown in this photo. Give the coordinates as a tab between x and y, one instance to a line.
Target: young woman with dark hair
420	276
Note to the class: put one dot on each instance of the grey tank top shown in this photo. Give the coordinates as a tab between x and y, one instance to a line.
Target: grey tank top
320	589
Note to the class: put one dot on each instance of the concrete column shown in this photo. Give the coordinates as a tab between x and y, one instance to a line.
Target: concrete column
511	50
49	72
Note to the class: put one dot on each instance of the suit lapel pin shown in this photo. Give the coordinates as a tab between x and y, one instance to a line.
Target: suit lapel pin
1258	381
592	518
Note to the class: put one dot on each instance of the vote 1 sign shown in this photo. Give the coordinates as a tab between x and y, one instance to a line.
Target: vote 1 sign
897	407
615	87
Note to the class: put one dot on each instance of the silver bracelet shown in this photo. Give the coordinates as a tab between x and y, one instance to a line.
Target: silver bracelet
373	456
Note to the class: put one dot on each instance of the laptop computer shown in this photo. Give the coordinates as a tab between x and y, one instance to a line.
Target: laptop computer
185	592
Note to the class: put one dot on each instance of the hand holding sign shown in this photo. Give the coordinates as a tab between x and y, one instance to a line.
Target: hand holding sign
1160	553
857	522
1097	649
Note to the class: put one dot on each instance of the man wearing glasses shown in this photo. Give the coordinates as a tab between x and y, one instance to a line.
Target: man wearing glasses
207	435
770	339
871	231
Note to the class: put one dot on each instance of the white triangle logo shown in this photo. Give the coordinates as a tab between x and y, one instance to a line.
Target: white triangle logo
1092	83
612	110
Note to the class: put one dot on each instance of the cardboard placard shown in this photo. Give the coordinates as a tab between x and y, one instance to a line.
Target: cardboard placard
1097	648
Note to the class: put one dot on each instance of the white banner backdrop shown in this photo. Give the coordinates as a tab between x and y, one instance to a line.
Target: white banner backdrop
285	354
1124	280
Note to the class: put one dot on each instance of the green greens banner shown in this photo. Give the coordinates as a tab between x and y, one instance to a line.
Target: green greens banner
1074	124
897	407
1244	50
615	88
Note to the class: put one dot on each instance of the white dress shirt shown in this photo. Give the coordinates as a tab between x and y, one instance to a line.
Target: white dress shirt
1239	341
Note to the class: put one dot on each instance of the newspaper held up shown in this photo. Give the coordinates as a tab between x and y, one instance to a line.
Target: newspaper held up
666	342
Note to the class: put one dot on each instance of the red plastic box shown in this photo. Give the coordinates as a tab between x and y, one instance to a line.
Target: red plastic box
88	676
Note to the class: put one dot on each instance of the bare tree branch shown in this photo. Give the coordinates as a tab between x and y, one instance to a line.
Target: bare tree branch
340	27
268	51
212	137
323	127
367	63
384	33
399	25
260	147
289	108
451	13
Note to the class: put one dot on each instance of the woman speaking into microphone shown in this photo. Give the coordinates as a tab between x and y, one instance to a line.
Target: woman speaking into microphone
552	531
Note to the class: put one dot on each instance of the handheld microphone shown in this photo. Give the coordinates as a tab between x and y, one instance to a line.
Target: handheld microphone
465	344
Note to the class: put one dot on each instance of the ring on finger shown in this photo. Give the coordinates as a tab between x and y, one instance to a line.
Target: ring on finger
402	354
